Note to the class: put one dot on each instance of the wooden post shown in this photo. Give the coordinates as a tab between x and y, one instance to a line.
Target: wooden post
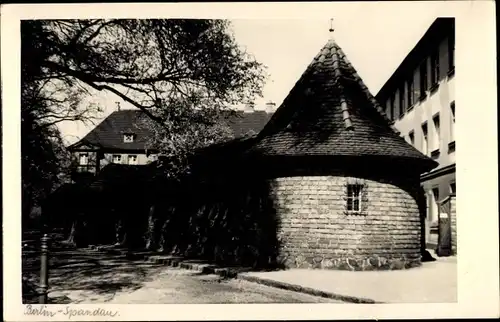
44	269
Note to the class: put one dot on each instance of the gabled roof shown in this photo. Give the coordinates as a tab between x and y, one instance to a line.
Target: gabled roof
109	133
330	112
247	124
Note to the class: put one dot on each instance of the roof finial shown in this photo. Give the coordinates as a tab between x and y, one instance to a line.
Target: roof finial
331	30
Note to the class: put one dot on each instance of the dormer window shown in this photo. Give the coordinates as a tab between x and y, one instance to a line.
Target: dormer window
128	138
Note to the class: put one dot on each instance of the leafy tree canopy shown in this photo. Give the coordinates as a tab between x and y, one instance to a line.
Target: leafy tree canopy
180	72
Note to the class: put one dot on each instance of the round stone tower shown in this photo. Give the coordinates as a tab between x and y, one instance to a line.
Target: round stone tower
345	185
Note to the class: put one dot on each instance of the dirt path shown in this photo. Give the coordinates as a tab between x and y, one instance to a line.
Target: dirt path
79	276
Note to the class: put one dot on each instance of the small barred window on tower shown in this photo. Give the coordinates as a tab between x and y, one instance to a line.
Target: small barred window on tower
354	197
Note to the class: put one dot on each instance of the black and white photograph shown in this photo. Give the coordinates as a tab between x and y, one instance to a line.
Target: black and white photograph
233	157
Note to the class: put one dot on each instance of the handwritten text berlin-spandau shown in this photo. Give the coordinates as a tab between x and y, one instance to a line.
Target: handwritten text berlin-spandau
43	310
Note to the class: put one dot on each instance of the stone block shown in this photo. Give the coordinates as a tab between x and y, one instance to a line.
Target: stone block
367	265
397	264
327	263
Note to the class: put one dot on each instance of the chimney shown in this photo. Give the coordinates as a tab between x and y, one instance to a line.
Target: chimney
249	107
117	106
270	107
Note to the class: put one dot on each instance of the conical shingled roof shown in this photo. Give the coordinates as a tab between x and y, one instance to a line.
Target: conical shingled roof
330	112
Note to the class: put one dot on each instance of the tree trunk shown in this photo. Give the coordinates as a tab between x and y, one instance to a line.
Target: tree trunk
121	233
72	233
118	232
123	242
167	239
77	235
150	234
162	242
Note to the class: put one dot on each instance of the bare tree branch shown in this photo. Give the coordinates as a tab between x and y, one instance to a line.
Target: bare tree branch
127	99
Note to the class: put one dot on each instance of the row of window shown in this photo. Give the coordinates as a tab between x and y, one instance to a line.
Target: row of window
436	138
408	95
117	158
132	159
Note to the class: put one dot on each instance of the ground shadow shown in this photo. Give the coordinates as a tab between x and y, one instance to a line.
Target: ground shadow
83	270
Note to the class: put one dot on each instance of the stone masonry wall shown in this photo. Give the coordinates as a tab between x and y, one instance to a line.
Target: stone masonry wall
316	231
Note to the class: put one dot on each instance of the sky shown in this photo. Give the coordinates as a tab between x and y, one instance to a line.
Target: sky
373	41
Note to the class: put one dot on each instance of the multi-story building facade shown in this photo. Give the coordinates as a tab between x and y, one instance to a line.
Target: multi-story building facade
419	98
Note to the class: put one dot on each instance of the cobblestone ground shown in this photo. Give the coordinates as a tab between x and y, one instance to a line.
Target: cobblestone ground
86	277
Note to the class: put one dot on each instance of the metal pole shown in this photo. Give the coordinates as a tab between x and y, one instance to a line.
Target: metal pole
44	270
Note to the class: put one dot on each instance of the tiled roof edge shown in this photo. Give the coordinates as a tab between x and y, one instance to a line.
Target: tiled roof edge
343	103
